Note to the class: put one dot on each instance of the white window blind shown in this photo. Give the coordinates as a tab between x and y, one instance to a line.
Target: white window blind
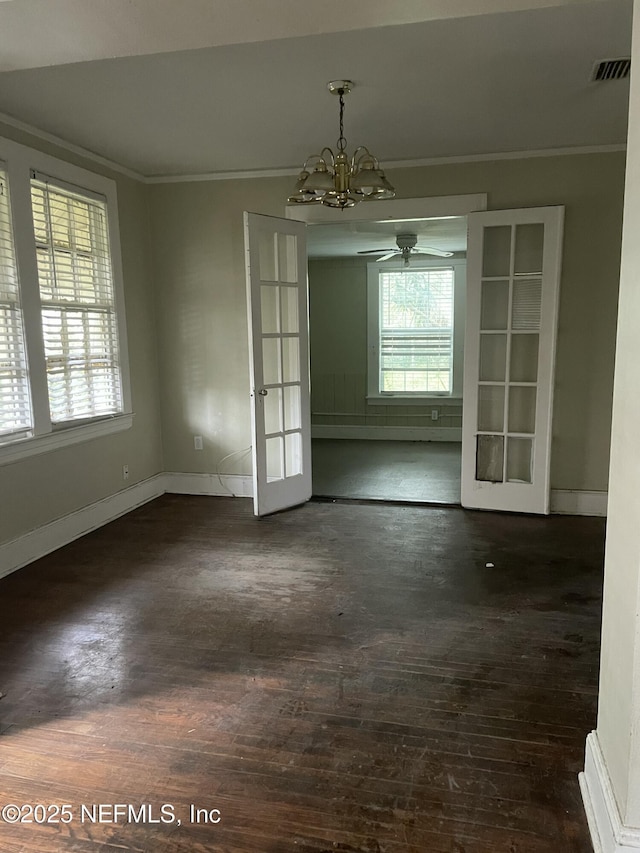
15	402
78	303
416	331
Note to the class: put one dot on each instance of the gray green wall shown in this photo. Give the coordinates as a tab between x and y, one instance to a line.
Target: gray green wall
199	273
338	344
42	488
183	260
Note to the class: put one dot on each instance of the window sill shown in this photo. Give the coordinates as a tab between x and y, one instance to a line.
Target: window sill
399	400
24	447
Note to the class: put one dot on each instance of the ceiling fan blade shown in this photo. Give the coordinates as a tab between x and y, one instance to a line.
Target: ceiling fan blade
376	251
428	250
389	255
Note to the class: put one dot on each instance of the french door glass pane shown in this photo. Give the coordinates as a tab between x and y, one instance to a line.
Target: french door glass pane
267	258
527	304
491	408
519	460
292	407
273	411
493	358
497	251
290	360
528	250
524	358
287	258
293	454
275	458
490	458
522	408
494	306
270	308
289	297
271	367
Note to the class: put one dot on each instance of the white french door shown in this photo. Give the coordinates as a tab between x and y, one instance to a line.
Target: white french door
513	275
277	298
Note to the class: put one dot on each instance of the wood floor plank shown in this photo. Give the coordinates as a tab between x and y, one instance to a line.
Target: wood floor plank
340	677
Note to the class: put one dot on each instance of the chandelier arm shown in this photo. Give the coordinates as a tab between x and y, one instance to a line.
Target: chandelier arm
313	159
362	153
331	156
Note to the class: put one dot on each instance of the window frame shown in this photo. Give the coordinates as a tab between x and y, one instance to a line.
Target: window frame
12	310
20	164
374	395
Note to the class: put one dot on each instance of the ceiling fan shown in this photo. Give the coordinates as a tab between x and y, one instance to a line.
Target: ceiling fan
406	244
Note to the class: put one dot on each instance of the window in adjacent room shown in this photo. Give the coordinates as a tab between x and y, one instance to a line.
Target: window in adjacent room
413	317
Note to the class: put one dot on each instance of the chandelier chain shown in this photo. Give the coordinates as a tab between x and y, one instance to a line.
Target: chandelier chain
342	142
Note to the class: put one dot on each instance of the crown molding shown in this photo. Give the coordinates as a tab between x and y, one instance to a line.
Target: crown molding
397	164
222	176
292	171
71	147
506	155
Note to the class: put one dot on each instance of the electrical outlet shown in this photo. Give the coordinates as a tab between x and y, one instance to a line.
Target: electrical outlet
435	414
125	472
197	442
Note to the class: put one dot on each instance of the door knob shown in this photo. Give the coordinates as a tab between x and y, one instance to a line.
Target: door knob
263	392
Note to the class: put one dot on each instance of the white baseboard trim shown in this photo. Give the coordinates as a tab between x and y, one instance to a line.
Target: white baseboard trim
225	485
608	833
37	543
575	502
387	433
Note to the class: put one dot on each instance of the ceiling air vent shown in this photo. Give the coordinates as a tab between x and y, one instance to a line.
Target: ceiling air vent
612	69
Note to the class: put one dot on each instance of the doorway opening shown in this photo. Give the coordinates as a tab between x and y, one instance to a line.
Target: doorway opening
386	354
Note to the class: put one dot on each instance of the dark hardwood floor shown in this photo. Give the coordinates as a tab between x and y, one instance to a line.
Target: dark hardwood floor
421	471
340	677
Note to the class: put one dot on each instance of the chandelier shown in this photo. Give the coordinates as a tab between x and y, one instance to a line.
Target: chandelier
336	180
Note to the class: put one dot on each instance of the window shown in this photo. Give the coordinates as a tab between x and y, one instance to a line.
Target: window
78	303
63	375
15	403
413	314
416	331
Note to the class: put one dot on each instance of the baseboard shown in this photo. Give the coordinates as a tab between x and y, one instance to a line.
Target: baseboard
37	543
576	502
608	833
387	433
223	485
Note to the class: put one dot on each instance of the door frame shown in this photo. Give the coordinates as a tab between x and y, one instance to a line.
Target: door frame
397	209
392	209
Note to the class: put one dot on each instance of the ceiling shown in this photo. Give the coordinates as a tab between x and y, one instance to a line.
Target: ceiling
190	88
341	239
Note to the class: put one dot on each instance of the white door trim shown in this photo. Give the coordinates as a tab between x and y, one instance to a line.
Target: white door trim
396	208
